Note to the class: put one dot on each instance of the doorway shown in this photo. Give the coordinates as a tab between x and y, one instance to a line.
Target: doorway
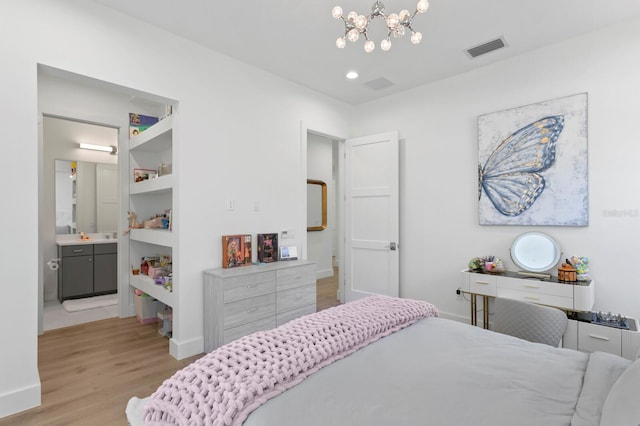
80	194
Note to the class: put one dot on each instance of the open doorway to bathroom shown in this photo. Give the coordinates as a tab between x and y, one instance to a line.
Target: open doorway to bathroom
80	191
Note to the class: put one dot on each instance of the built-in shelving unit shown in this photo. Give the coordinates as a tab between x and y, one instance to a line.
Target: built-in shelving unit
149	150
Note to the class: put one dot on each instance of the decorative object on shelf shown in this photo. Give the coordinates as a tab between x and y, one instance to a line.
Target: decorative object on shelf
518	157
476	264
164	169
144	174
356	25
566	272
236	250
582	267
288	252
268	247
490	264
139	123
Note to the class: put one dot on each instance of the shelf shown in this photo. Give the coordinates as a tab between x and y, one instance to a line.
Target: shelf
159	185
161	237
156	138
146	284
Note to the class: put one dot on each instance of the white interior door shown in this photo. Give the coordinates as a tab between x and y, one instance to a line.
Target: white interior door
371	216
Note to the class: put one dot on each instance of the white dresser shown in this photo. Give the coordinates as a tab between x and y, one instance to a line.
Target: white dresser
243	300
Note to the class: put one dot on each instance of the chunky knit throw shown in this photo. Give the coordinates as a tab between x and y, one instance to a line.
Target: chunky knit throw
224	386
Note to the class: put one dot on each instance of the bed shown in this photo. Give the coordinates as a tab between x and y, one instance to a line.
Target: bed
414	369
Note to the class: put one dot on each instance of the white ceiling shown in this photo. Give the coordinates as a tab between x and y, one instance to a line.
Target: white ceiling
296	39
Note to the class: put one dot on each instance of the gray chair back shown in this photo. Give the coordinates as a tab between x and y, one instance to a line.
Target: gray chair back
535	323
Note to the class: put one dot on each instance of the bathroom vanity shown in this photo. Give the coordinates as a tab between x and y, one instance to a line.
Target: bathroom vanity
87	267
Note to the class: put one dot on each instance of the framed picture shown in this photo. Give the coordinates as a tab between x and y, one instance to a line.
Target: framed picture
532	164
236	250
144	174
267	247
288	252
138	123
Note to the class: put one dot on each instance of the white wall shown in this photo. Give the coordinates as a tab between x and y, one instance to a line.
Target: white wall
437	124
235	123
320	167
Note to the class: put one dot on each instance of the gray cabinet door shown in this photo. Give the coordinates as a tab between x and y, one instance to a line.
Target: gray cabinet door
77	276
105	273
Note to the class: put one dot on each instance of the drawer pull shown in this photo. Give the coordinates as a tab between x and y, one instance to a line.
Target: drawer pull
482	282
532	298
298	298
531	286
78	250
595	336
252	286
250	311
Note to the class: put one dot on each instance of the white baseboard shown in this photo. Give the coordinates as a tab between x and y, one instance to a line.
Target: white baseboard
20	400
181	350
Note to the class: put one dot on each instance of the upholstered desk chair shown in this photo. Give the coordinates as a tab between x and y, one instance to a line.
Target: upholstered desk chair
535	323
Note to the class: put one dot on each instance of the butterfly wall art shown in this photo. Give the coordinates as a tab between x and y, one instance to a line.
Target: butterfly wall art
533	164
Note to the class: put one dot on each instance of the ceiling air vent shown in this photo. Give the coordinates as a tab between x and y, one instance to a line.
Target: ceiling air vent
378	83
485	48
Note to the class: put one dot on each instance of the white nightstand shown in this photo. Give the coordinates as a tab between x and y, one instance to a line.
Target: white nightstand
590	337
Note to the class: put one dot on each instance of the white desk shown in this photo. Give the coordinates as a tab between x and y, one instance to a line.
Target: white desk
578	296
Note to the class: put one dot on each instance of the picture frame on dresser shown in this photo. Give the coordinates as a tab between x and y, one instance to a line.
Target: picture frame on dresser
268	247
236	250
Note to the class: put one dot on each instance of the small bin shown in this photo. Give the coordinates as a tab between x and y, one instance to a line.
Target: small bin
146	309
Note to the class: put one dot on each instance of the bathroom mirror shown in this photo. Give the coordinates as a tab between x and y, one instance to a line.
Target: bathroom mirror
316	205
86	197
535	252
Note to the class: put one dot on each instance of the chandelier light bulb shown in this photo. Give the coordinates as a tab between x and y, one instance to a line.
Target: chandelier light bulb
353	35
352	16
361	22
423	5
385	44
399	31
337	12
392	21
416	37
369	46
404	15
341	43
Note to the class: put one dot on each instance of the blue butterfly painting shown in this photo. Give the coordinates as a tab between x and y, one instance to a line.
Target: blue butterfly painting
511	176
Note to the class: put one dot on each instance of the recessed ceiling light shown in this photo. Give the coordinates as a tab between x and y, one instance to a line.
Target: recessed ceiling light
352	75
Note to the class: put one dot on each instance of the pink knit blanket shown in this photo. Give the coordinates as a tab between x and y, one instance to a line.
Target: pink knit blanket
227	384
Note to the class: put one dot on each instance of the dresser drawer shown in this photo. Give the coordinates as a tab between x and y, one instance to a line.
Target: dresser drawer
296	277
484	284
244	329
249	310
251	285
296	298
592	338
285	317
537	287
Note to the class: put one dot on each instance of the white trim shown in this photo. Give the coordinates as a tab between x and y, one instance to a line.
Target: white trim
181	350
20	400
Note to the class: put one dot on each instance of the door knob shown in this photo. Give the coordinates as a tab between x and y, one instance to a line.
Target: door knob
391	246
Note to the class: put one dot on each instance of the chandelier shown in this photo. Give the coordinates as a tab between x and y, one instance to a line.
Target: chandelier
356	25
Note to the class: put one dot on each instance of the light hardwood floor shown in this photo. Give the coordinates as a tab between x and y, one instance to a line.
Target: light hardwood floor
89	371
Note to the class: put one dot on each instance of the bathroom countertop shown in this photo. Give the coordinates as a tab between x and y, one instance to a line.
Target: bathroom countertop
74	239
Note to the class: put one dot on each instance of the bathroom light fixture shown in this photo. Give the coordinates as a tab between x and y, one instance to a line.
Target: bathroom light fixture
352	75
112	149
355	25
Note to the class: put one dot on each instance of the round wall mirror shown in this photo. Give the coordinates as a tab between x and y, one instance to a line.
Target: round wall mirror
535	252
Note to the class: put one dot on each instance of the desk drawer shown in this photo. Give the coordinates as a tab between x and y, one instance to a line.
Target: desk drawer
592	338
252	285
249	310
536	297
483	284
77	250
296	277
537	287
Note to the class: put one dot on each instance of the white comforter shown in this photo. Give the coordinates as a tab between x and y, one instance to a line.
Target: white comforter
441	372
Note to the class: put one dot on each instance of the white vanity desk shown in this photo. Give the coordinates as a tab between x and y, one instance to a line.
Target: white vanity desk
578	296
